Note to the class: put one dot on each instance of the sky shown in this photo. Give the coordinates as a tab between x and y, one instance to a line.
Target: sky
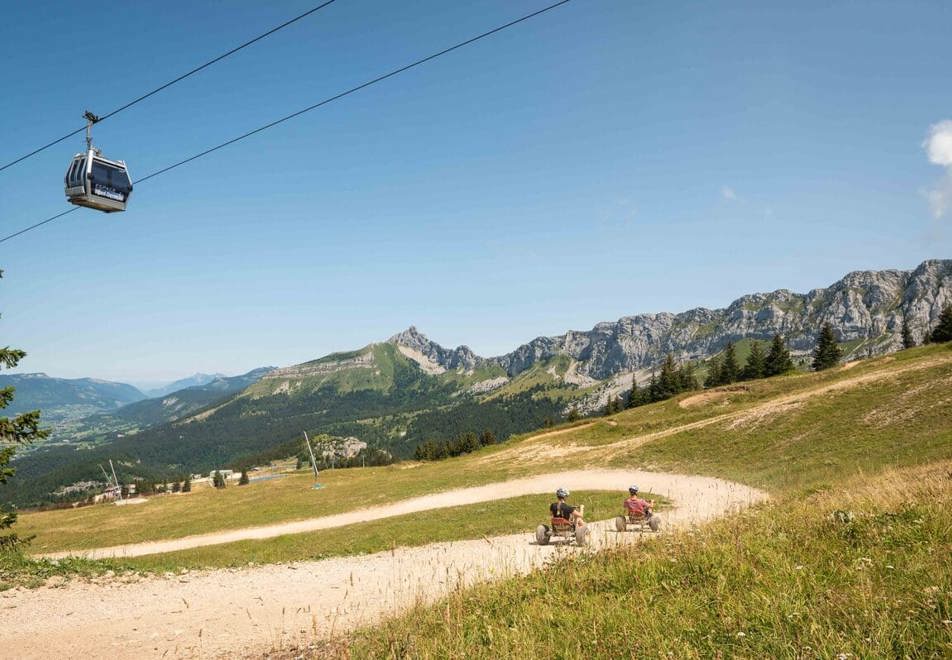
607	158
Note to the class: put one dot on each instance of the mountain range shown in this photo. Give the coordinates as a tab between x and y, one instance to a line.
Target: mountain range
195	380
66	399
865	308
397	393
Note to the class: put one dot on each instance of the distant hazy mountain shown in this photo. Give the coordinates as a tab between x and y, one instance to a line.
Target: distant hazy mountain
187	400
195	380
62	399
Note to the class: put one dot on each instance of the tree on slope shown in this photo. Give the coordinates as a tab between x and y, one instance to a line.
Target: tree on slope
634	395
187	486
943	331
907	340
756	363
243	480
611	405
713	378
14	431
778	359
827	352
687	377
729	367
669	380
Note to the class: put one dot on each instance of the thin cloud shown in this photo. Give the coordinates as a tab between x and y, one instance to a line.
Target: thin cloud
938	147
728	193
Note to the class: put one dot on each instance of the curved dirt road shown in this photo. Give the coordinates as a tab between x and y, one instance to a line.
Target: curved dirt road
227	613
656	483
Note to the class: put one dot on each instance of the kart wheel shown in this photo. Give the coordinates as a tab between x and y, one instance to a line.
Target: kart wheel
581	535
542	535
654	522
621	524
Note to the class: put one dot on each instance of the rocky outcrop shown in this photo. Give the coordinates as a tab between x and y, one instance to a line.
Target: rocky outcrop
460	358
865	308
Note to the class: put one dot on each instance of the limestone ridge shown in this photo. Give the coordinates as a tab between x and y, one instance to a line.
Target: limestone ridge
438	358
865	308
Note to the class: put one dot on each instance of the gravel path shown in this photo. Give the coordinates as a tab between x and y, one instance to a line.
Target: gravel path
227	613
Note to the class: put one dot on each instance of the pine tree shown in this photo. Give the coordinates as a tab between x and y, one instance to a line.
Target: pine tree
669	383
827	353
653	389
907	340
778	359
943	331
19	430
686	378
730	370
176	486
713	378
218	480
573	415
243	480
187	486
756	363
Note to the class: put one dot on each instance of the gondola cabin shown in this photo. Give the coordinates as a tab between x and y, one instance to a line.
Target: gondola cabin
97	182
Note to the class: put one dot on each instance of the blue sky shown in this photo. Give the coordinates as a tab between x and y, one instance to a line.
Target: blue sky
608	158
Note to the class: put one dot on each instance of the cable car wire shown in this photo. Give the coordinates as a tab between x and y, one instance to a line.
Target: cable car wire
350	91
40	224
330	99
172	82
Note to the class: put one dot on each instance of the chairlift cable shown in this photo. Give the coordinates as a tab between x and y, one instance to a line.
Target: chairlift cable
330	99
352	90
172	82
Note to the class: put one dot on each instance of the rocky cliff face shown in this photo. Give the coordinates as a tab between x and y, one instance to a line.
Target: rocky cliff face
460	358
865	308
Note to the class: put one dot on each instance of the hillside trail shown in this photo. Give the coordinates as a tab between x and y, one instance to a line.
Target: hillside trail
532	451
235	612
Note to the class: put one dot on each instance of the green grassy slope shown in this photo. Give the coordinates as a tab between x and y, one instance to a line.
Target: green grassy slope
860	571
850	559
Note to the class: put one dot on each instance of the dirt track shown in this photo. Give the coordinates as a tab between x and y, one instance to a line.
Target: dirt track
225	613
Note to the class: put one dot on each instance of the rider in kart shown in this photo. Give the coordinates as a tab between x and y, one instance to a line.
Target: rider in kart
635	506
561	509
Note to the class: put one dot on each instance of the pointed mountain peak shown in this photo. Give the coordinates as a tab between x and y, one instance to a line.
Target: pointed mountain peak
412	338
431	355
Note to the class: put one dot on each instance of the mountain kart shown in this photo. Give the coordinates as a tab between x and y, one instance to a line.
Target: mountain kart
562	530
638	521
